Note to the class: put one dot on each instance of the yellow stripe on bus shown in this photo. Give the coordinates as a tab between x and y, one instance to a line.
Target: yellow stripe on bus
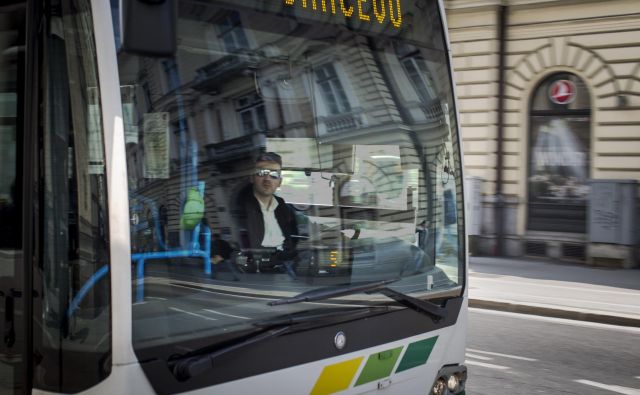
336	377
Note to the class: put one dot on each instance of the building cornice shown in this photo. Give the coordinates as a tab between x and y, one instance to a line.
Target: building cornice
463	5
561	28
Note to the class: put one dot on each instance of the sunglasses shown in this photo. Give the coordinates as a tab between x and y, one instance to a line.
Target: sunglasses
275	174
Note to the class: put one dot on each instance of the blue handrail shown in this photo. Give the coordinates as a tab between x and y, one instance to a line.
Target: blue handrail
93	280
193	252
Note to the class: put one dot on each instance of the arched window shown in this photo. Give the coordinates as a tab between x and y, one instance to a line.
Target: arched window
559	154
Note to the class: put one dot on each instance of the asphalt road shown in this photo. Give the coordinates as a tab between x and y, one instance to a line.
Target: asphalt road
511	354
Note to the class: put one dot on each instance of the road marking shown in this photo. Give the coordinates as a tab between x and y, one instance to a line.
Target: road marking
486	365
638	377
228	315
613	388
563	321
497	354
193	314
480	357
219	293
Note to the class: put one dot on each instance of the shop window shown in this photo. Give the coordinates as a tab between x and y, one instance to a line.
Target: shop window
559	159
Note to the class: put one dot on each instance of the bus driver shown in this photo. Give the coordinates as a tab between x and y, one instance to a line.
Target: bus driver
269	221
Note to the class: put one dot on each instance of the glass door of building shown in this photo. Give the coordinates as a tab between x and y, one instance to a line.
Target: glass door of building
559	155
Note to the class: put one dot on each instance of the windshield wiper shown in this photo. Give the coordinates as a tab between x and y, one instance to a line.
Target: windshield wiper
187	367
197	362
423	306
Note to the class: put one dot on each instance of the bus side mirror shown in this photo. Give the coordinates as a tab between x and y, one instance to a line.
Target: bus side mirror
149	27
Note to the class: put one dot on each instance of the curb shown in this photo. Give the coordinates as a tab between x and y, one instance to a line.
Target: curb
555	313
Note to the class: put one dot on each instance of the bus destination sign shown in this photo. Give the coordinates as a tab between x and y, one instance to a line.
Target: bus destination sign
380	10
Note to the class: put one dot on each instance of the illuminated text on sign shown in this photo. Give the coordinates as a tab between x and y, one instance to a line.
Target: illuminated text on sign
382	9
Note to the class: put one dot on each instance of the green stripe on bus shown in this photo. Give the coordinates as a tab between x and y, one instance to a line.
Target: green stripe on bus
379	365
417	354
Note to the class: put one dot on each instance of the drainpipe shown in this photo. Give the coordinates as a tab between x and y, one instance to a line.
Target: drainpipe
500	203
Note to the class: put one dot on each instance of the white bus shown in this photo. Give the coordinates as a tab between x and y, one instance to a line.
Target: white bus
129	132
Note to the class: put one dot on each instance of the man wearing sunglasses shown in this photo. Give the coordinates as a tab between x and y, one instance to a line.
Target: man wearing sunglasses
270	223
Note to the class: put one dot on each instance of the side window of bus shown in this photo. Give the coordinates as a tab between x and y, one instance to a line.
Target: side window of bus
73	340
447	224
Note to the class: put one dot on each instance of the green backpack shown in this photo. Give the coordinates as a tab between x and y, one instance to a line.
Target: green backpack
193	211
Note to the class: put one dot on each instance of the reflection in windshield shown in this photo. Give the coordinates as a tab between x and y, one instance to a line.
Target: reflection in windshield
358	184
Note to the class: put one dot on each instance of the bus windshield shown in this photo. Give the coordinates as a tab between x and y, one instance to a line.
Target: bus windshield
290	146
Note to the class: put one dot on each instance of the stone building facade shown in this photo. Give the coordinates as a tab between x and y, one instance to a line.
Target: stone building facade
549	101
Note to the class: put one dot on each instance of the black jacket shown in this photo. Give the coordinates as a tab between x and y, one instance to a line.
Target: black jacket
250	219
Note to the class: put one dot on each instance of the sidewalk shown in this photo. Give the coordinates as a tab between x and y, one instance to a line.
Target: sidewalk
556	289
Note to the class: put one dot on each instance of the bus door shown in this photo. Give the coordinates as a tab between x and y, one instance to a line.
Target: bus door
12	82
54	283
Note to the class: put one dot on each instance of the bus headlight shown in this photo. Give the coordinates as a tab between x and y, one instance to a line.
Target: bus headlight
439	387
450	380
453	383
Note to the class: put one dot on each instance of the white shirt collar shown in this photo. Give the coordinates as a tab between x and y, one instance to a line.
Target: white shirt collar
271	206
